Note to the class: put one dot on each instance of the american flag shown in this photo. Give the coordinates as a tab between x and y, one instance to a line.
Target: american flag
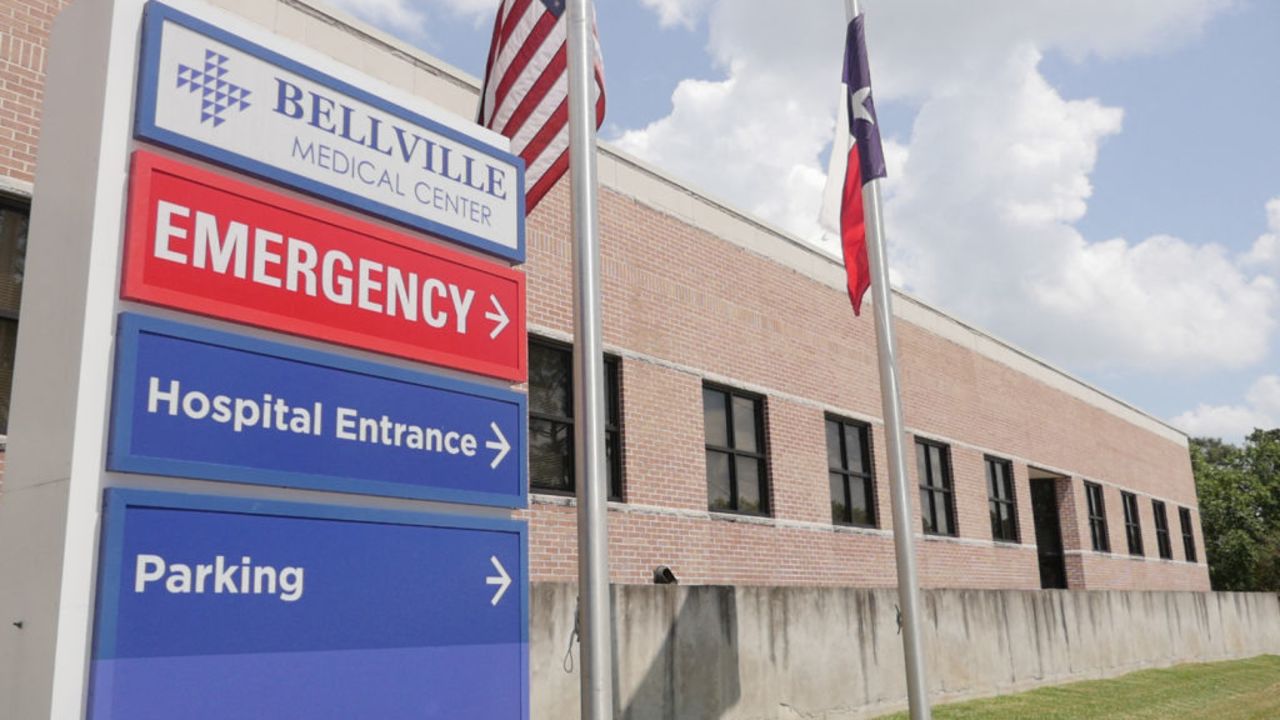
526	89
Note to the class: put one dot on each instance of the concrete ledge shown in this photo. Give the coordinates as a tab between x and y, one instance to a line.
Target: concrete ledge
770	652
16	188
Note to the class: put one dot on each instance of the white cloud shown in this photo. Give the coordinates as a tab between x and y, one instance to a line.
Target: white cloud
677	12
756	136
479	10
985	192
403	17
1265	252
1265	395
411	18
1260	409
982	222
921	48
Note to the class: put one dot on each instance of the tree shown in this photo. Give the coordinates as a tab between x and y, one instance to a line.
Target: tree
1239	491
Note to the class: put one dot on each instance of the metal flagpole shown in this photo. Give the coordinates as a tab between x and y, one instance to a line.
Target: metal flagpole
890	398
588	377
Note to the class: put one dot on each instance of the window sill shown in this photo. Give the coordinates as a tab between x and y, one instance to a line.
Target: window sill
853	526
542	497
1139	558
742	518
864	530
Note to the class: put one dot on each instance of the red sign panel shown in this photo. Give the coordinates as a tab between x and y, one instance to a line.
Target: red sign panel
204	243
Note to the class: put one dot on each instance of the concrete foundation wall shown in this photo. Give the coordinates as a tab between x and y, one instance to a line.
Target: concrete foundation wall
710	652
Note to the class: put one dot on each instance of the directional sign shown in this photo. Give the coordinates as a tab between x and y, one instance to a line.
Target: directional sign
207	92
205	243
197	403
213	608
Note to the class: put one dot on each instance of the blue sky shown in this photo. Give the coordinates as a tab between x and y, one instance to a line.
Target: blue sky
1199	155
1088	180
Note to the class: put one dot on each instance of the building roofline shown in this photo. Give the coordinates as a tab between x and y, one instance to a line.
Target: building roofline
1033	358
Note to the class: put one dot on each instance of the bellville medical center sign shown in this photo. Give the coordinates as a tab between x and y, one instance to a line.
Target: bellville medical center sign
218	96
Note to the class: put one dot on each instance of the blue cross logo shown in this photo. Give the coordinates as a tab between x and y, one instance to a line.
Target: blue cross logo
216	94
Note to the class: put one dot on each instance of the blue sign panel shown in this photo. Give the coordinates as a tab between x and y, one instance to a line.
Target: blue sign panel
197	403
231	608
208	92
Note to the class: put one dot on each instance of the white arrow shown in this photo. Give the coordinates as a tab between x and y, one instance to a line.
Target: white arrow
501	445
502	580
499	317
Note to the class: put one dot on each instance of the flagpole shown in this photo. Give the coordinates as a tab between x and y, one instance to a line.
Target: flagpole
890	397
588	378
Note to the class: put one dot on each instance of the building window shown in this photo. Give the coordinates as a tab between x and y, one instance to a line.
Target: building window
1000	500
551	456
937	503
1132	523
734	424
1163	545
1097	517
849	470
1188	535
13	251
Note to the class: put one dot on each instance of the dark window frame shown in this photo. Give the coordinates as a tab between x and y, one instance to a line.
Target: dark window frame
1132	523
1160	516
868	477
932	493
612	428
761	456
10	318
13	204
1188	535
1096	506
999	532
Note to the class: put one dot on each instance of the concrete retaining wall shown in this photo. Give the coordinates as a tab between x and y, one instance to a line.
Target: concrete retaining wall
698	653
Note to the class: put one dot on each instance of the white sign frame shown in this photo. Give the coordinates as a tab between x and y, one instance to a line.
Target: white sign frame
216	95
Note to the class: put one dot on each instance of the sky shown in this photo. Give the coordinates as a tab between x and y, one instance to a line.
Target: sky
1097	181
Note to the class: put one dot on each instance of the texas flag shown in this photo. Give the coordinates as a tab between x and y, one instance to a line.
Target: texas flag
863	162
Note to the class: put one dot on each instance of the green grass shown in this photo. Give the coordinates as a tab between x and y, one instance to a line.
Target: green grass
1233	690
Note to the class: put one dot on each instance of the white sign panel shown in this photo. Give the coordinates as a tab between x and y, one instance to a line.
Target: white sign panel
216	95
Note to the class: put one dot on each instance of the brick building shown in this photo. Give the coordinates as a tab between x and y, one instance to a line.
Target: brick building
745	436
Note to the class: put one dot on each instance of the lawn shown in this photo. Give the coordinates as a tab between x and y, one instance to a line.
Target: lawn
1233	690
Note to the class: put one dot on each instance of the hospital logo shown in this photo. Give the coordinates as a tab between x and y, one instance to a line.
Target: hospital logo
217	95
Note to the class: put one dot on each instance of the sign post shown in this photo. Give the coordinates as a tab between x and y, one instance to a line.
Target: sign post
222	512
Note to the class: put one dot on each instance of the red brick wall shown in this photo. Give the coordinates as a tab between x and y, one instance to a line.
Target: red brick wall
24	36
1117	570
682	305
